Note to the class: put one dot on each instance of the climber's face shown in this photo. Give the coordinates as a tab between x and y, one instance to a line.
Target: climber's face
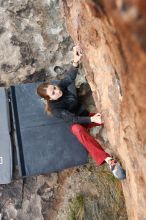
54	92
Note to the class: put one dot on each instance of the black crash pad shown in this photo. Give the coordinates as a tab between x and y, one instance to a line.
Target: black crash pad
44	144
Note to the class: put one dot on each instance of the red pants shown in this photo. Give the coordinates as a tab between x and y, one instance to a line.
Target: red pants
91	145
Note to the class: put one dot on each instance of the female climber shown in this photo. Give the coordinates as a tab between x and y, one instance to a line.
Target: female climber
62	102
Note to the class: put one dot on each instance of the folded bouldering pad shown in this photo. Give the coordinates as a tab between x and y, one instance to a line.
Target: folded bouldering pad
5	139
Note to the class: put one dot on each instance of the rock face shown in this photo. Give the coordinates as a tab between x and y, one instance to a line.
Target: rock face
34	45
32	40
113	37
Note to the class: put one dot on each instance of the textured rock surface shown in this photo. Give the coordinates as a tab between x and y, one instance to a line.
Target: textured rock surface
103	198
32	37
113	37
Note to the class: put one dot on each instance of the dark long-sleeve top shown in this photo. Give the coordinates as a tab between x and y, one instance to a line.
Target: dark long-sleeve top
67	106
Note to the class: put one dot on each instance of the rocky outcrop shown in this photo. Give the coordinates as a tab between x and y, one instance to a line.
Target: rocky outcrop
34	45
33	40
112	35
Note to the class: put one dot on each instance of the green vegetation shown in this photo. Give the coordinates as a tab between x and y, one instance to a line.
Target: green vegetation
77	208
110	176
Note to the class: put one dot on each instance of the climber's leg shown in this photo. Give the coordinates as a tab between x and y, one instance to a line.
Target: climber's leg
92	146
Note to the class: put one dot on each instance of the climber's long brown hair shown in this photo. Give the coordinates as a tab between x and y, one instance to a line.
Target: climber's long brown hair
42	92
